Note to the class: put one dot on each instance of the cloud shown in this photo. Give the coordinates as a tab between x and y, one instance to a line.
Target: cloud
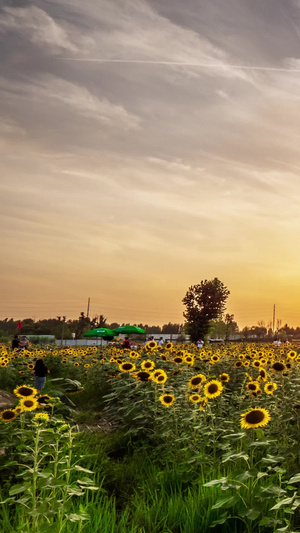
135	32
175	165
36	26
148	171
49	90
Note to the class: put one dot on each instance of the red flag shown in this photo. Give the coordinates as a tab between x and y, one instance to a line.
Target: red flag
19	325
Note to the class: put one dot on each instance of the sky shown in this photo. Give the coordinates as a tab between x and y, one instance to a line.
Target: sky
146	145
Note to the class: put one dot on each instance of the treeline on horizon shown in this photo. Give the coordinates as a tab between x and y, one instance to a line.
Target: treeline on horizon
63	328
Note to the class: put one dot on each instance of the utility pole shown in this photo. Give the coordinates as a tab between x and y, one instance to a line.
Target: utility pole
88	307
274	318
62	333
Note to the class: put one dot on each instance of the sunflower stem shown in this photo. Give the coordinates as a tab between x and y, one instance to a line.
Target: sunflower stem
34	478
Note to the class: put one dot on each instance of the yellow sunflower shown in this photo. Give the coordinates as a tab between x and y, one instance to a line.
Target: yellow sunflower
167	399
256	363
195	398
148	365
127	367
142	375
255	418
270	387
134	355
44	400
263	361
292	354
29	404
278	367
23	391
262	374
8	415
41	416
213	388
253	386
178	359
159	376
196	381
151	345
224	377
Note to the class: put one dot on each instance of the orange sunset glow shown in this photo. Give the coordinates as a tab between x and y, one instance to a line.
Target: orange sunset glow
146	146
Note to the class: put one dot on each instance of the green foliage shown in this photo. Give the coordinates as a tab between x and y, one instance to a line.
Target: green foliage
223	329
45	476
10	378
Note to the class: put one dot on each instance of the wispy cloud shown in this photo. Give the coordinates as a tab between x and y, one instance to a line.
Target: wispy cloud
53	90
37	26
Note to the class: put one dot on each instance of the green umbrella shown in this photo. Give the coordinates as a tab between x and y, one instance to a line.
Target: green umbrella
129	329
100	332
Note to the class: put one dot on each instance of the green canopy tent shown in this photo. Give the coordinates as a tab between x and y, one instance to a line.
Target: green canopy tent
126	330
105	333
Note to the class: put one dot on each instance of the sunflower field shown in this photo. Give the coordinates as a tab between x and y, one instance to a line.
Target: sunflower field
172	439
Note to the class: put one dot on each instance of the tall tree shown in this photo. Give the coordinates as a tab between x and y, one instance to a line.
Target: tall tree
204	302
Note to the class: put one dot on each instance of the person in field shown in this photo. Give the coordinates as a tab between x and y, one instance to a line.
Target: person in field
126	344
40	372
15	343
24	343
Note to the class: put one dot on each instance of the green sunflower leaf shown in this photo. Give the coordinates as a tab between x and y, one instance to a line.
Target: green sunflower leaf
216	482
295	479
17	489
285	501
234	456
234	436
227	501
221	520
244	476
81	469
